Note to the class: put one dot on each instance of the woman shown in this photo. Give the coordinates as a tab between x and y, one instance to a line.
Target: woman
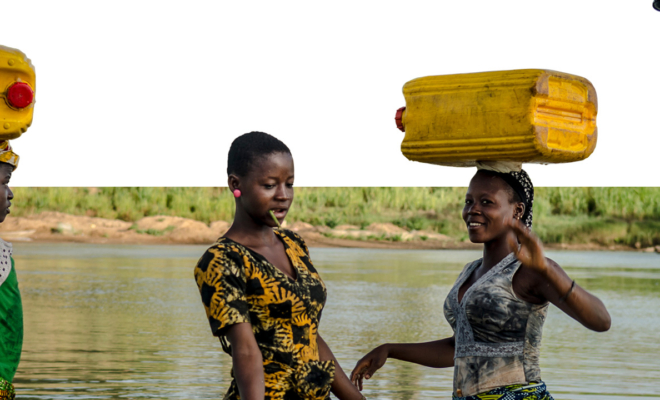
11	310
498	304
261	293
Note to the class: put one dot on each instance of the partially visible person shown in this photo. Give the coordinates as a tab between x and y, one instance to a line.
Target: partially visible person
262	295
11	310
499	302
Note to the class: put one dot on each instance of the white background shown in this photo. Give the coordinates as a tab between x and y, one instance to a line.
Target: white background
151	93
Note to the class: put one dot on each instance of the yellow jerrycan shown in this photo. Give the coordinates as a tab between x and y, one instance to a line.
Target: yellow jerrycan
528	115
17	86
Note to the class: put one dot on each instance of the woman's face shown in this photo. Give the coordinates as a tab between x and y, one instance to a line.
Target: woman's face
6	195
488	208
267	186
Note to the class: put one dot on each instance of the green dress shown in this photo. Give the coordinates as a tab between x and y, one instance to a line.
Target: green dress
11	315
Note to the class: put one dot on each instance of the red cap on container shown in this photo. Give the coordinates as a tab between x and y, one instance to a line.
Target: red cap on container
20	95
398	118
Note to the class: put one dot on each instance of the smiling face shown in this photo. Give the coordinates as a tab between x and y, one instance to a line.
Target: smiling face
267	186
488	208
6	195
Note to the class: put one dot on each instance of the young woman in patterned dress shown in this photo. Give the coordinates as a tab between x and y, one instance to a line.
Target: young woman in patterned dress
498	304
262	295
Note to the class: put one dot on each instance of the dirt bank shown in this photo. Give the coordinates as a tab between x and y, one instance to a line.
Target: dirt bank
60	227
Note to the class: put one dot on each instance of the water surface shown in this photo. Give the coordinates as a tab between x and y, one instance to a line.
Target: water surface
118	322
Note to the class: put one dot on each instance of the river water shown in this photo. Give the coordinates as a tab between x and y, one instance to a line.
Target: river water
126	322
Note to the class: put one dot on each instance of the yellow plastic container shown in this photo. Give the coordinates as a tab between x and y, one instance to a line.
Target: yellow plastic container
17	86
530	115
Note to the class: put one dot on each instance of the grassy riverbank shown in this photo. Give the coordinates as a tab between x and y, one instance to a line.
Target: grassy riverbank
629	216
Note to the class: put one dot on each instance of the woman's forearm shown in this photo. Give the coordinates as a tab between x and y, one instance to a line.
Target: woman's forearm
341	386
249	375
436	354
247	361
583	306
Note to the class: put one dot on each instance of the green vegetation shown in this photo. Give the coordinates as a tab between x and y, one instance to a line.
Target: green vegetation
151	231
128	204
629	216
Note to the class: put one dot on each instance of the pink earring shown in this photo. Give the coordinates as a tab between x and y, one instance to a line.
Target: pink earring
237	193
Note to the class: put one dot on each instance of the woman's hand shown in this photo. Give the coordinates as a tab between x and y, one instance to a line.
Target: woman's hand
369	364
341	385
530	252
436	354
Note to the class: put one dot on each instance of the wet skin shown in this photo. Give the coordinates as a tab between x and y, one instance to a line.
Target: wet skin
6	195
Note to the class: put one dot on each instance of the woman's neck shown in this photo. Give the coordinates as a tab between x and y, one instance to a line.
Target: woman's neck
497	249
249	232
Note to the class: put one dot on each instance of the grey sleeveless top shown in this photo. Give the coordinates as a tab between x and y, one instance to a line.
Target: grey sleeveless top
498	335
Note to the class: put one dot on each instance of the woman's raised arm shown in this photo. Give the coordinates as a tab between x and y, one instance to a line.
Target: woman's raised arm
556	286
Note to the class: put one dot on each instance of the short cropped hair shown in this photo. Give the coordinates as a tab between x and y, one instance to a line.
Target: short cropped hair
246	149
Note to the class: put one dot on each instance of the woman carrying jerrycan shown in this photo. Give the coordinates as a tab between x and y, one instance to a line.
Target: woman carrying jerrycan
499	302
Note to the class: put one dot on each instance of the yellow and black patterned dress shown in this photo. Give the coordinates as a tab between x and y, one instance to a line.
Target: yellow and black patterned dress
239	285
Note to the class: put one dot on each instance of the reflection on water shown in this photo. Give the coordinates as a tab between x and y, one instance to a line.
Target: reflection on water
106	322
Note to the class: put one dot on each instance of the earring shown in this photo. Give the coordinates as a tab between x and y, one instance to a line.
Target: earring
237	193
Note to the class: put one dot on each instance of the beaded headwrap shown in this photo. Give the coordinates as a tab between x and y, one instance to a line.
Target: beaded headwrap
7	155
521	184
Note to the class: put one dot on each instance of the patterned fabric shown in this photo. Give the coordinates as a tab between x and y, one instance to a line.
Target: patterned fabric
532	391
239	285
7	155
11	315
498	336
6	390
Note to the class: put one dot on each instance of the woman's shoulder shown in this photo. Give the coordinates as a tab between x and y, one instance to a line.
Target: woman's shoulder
467	268
294	237
290	234
225	246
223	252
